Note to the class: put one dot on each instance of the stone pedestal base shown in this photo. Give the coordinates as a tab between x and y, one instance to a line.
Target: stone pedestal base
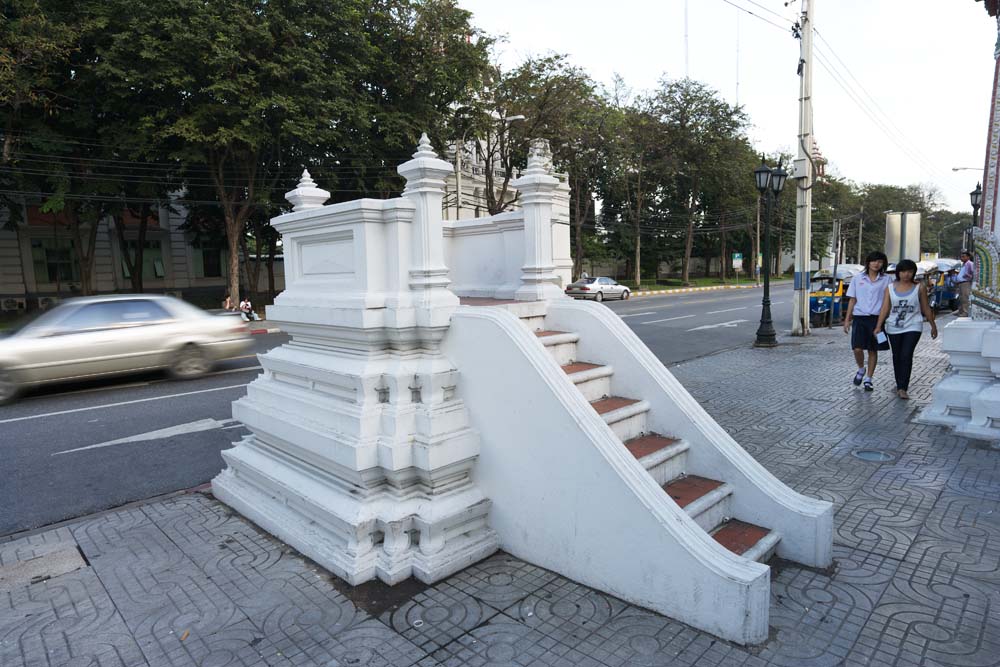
356	538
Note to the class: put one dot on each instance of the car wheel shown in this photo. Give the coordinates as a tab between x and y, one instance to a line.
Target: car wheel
625	295
599	296
9	388
953	304
190	362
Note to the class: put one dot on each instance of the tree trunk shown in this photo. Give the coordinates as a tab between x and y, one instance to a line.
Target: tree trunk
272	248
581	216
84	248
689	242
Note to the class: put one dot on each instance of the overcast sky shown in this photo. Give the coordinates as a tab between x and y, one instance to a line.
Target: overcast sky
924	68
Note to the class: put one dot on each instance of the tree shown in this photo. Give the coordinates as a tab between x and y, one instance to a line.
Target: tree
703	132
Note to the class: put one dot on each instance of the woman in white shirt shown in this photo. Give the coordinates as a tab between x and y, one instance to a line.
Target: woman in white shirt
903	311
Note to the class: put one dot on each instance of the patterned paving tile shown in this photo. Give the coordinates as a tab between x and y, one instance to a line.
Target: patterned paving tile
818	617
929	616
438	616
565	610
368	644
503	641
67	620
637	637
501	580
885	522
32	546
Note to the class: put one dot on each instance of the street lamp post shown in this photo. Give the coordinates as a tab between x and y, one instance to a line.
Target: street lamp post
976	198
769	183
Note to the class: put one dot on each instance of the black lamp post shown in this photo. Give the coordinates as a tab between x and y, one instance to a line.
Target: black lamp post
976	197
769	183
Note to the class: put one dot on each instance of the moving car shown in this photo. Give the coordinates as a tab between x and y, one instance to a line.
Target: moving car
114	334
599	289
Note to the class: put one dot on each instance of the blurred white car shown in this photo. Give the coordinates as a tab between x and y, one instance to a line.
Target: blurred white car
108	335
599	289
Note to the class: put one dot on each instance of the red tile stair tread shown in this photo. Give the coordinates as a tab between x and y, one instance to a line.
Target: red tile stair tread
739	536
688	489
541	334
612	403
579	366
648	444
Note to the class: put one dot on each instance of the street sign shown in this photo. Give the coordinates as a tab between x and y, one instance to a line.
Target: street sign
738	261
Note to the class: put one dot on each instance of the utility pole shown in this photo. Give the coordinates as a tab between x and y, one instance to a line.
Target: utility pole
861	225
687	54
804	175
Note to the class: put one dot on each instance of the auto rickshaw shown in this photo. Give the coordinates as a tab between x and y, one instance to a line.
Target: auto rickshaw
827	294
945	291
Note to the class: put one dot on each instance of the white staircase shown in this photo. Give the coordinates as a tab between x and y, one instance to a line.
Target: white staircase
602	467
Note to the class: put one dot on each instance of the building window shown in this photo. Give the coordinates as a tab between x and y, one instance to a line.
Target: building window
152	260
54	261
211	261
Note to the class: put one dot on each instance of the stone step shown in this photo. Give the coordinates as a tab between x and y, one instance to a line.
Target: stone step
747	540
707	501
625	416
561	344
593	380
664	458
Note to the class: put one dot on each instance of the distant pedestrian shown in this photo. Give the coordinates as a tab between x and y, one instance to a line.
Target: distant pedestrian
227	303
246	309
866	293
964	282
903	311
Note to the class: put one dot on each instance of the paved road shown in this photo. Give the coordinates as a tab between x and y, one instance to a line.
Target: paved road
42	482
682	327
71	450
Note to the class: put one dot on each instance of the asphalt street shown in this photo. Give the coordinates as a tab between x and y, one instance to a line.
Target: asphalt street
681	327
44	480
71	450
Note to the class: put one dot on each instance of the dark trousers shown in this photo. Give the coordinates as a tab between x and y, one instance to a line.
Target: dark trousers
903	345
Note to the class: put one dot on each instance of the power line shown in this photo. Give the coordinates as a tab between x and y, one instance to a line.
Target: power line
758	16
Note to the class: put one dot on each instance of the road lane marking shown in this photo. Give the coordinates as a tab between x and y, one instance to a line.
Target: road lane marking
727	310
159	434
668	319
652	312
729	325
115	405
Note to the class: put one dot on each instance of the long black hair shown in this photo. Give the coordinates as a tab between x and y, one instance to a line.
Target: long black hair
877	254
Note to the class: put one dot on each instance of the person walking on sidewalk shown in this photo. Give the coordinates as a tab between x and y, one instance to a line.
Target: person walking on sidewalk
964	282
903	311
866	294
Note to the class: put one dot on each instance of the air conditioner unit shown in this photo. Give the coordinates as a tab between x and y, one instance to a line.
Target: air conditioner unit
46	302
12	304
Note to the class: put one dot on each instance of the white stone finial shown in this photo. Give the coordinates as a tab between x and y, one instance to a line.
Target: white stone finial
306	181
424	148
306	195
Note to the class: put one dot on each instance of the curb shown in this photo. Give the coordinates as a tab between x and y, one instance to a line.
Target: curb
688	290
268	330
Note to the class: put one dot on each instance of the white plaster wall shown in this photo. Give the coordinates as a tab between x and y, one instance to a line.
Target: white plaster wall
569	497
484	256
805	524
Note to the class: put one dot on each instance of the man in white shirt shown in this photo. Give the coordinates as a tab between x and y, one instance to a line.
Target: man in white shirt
866	292
964	282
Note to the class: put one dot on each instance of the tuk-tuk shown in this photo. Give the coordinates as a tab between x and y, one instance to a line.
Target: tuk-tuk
945	291
827	294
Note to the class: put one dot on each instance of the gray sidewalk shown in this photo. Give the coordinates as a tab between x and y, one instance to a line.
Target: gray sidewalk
182	581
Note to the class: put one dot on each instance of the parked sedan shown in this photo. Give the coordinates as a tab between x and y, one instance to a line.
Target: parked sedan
109	335
599	289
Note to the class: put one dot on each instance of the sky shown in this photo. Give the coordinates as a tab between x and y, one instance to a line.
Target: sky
921	70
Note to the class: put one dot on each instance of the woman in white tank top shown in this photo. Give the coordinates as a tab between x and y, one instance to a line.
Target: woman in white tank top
903	311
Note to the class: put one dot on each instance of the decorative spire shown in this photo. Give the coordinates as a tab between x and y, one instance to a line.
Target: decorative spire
424	148
306	195
306	181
